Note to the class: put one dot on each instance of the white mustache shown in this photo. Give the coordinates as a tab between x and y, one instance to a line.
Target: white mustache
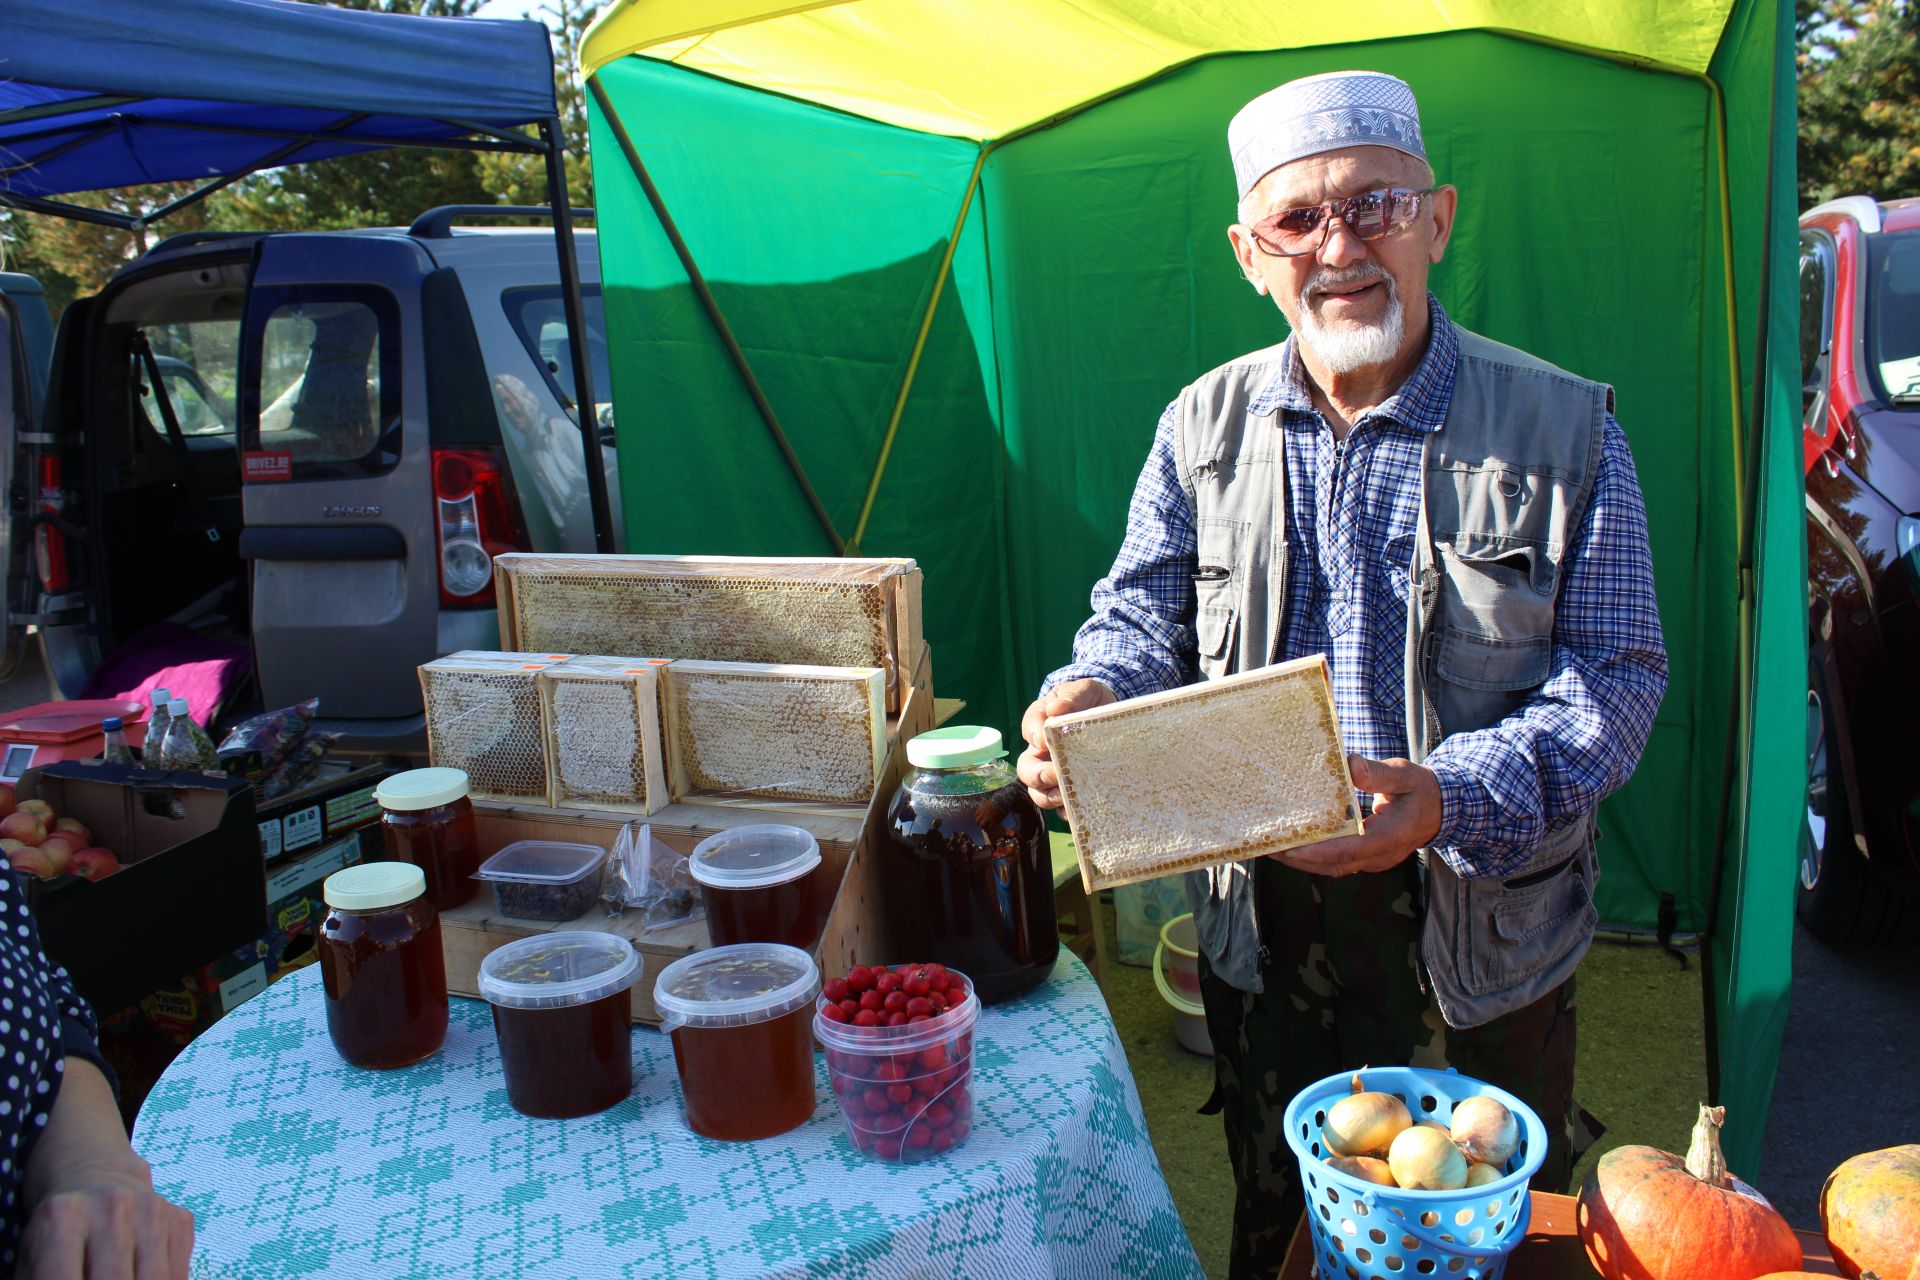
1360	273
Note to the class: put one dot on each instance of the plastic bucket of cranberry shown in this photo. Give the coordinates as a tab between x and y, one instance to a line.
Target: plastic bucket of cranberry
899	1044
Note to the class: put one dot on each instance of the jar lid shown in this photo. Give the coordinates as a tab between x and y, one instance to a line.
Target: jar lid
554	970
955	747
421	789
735	986
756	857
373	885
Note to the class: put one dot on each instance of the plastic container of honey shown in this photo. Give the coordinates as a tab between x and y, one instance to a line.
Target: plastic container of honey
384	974
427	819
906	1092
562	1007
741	1018
760	884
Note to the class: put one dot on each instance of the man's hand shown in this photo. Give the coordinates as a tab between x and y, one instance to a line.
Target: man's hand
1406	815
1036	766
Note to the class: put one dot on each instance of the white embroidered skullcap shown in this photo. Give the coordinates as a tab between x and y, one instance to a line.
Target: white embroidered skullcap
1322	113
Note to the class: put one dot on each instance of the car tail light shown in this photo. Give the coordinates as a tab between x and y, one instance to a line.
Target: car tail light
49	544
478	519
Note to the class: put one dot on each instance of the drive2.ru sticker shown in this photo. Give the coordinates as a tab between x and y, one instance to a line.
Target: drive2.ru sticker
265	466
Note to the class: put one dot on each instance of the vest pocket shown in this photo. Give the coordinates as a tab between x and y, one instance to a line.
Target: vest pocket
1213	628
1219	580
1513	934
1485	663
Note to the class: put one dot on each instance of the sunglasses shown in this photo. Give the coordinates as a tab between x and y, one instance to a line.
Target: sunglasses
1369	215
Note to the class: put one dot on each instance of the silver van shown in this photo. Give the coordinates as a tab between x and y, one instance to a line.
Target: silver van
310	444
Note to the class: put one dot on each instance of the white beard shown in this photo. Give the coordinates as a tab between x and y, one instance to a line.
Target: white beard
1349	348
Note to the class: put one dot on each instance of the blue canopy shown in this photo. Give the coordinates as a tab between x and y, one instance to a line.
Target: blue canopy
99	93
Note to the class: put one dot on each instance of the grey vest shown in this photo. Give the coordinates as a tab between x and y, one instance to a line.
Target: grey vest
1507	479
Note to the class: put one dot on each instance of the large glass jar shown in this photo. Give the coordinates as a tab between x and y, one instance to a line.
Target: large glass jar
381	965
427	820
966	875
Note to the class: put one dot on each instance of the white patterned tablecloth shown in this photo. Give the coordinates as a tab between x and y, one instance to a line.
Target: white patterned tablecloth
296	1164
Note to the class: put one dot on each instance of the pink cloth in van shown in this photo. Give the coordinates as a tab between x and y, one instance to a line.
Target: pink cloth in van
169	656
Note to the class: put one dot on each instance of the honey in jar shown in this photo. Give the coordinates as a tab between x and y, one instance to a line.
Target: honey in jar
427	819
381	965
760	884
562	1009
741	1018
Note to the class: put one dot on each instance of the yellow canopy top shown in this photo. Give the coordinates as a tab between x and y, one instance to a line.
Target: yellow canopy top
984	68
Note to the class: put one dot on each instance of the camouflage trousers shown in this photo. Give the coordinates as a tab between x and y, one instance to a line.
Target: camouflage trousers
1342	991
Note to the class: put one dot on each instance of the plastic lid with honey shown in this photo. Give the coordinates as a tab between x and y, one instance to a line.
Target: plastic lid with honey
756	857
374	886
735	986
421	789
554	970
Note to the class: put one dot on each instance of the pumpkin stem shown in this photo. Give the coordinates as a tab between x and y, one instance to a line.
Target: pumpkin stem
1704	1158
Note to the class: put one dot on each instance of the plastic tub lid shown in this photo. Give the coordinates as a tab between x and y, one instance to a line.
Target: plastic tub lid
555	970
421	789
955	747
542	862
735	986
372	886
56	722
755	857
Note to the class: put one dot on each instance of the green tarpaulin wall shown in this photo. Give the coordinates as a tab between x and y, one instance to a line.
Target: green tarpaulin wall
1092	279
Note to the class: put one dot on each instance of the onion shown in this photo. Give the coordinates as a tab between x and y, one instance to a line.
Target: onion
1365	1168
1364	1124
1424	1160
1486	1131
1479	1175
1431	1123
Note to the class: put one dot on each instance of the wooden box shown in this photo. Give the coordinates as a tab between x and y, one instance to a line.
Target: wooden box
601	721
821	612
847	839
767	733
483	716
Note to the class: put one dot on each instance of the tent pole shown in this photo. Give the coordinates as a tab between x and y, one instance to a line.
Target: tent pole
719	321
585	406
75	212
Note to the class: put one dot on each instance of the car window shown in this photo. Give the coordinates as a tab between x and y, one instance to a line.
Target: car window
198	363
540	319
324	368
1813	308
1893	315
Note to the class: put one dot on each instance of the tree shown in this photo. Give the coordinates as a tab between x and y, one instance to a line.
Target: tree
522	179
1859	98
72	258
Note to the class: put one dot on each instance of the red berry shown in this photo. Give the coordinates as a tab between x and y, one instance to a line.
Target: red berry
939	1115
889	1070
849	1007
959	1129
928	1085
904	969
875	1098
918	1136
938	981
920	1004
872	1000
896	1019
938	1003
918	1017
834	989
833	1013
915	986
866	1018
899	1094
934	1058
887	1148
886	982
896	1002
943	1140
859	978
933	966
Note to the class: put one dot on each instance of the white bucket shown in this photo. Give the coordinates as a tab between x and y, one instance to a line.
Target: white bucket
1179	982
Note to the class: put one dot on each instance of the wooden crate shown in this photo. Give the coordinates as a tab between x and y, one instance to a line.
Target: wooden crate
847	839
773	733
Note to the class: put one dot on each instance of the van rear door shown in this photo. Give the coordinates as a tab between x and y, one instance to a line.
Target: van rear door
337	471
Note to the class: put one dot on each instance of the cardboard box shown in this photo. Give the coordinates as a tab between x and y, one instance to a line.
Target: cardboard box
295	908
190	891
846	837
320	813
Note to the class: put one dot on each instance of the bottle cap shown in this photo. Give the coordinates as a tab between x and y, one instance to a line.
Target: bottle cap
177	707
159	697
112	724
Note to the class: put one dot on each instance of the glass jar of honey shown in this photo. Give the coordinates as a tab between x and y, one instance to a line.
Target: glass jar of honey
427	820
562	1007
381	965
761	884
741	1018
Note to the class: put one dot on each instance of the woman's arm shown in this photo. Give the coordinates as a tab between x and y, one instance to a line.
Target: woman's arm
90	1199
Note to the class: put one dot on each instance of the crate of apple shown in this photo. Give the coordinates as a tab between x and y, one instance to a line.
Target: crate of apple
899	1043
35	839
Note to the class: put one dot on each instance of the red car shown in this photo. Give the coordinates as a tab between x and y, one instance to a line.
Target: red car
1860	370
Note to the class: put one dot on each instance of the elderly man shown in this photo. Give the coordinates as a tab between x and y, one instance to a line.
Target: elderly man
1458	527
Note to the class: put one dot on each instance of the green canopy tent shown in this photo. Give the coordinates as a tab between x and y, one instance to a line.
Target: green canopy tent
910	277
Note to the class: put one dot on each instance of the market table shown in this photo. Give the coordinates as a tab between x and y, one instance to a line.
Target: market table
1551	1250
295	1163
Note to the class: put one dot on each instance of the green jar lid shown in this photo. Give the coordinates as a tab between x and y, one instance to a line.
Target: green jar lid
955	747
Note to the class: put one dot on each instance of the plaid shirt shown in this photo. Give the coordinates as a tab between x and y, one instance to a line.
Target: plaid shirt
1352	510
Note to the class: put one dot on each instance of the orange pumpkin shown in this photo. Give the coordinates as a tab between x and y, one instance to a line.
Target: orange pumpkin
1870	1210
1649	1215
1794	1275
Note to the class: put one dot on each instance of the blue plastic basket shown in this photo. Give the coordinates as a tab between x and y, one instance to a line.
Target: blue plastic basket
1362	1231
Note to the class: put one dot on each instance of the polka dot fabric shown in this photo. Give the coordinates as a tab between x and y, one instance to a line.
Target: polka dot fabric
42	1020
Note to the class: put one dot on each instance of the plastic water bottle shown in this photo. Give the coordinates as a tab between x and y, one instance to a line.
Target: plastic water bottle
187	745
116	750
150	748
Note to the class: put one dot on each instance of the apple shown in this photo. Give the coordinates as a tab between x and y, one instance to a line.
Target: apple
59	853
39	808
24	827
93	863
74	827
8	846
32	860
7	804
